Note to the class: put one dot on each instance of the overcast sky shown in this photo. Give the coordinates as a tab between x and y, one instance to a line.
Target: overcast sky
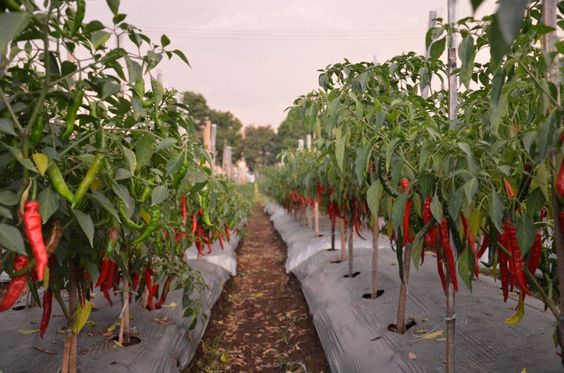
253	57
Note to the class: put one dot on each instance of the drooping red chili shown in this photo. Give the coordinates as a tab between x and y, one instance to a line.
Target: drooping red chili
508	188
448	253
220	239
194	224
560	180
184	208
535	256
16	285
150	288
105	264
227	232
46	317
485	245
34	234
441	271
431	235
517	259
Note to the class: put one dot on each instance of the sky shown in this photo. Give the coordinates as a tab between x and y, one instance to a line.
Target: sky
254	57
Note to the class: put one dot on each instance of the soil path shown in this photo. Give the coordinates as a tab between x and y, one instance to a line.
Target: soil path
261	322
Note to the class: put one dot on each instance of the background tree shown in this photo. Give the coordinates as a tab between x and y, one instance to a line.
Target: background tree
290	130
259	146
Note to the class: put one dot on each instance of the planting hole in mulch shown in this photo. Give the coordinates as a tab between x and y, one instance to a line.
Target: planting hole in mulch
379	293
353	275
18	308
335	261
330	249
133	340
411	323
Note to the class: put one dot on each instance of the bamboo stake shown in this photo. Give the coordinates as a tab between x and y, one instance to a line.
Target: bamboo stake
343	240
374	274
316	217
452	106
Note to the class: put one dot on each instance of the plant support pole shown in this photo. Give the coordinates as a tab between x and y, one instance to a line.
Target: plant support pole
550	39
374	273
452	106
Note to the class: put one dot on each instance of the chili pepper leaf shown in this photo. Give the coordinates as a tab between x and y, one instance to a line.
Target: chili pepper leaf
159	195
398	210
470	189
519	313
525	234
535	201
122	192
144	148
182	56
20	157
8	198
455	203
41	162
11	239
466	267
496	210
373	197
122	174
134	70
131	159
105	202
113	5
86	224
340	141
28	331
436	208
7	127
166	143
99	38
49	203
12	24
417	248
81	316
6	212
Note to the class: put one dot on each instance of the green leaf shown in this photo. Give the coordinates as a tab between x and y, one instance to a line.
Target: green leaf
436	209
131	159
99	38
496	211
499	47
166	143
525	234
5	212
49	203
398	210
466	267
12	24
158	91
122	192
7	127
144	147
85	222
159	195
340	148
467	53
535	201
182	56
476	4
361	163
105	202
470	189
510	16
26	162
437	48
8	198
417	249
122	174
11	239
454	203
134	70
165	40
373	197
113	5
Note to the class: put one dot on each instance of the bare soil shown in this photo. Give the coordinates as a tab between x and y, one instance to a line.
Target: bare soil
261	322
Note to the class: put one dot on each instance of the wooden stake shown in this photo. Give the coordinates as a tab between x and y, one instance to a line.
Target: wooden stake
550	39
351	240
343	240
316	217
402	305
69	349
452	108
333	229
374	275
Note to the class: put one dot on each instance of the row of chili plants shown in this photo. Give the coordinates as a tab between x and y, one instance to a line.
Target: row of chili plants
104	181
489	181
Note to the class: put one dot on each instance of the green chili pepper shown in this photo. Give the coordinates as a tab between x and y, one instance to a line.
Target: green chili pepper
36	133
181	172
72	112
12	5
58	182
146	193
91	174
153	223
79	15
382	175
125	220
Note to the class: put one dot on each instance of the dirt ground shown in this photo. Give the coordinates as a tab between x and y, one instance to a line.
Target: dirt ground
261	322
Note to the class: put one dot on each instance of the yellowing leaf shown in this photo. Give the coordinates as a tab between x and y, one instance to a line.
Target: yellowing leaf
112	327
224	357
145	216
171	305
41	162
433	335
28	331
96	185
524	370
519	313
46	278
259	294
81	317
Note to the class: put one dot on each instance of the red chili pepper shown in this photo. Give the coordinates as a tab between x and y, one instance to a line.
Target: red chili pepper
199	246
184	208
431	235
447	251
471	244
194	224
151	288
201	211
560	180
208	243
104	268
504	271
510	260
406	229
319	192
108	281
485	245
535	256
220	239
34	234
508	188
543	213
46	317
227	233
441	272
517	259
135	281
16	285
